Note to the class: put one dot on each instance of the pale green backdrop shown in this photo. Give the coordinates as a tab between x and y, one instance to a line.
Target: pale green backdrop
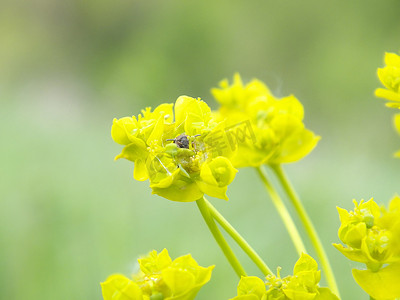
70	215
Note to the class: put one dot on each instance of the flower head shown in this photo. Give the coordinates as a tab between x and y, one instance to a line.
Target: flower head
372	233
390	78
264	129
159	278
174	147
303	284
372	236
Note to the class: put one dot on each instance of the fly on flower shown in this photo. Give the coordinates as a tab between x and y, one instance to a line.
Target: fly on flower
182	140
168	147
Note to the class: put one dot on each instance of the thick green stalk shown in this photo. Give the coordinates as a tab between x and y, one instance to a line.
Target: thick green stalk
251	253
283	212
204	210
309	227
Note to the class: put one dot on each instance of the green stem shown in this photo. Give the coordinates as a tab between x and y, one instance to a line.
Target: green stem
309	227
251	253
283	212
203	207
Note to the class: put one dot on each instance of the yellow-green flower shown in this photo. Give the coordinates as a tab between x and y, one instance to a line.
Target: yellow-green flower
372	236
303	284
390	78
263	128
371	233
136	135
160	278
180	149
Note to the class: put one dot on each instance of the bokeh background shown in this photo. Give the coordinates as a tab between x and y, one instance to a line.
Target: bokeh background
70	215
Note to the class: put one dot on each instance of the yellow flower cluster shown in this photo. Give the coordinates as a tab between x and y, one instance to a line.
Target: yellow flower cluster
390	78
265	129
372	236
303	284
160	278
172	146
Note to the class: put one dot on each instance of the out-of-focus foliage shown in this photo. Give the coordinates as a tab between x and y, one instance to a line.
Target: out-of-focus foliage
70	215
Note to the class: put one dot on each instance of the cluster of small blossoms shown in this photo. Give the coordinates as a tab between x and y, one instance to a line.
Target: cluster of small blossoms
390	78
372	236
170	146
303	284
159	278
265	129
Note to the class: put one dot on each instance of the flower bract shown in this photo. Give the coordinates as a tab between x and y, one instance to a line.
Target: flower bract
159	278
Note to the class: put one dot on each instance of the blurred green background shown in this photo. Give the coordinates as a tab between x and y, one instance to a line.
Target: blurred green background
70	215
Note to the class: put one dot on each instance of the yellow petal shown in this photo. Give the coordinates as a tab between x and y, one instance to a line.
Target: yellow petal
251	285
392	59
387	94
185	105
305	263
181	190
135	150
213	190
155	262
140	170
166	111
382	285
352	254
123	129
219	171
290	105
325	294
178	280
118	287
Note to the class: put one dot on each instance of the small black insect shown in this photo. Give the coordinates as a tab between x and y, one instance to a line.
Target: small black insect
182	141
